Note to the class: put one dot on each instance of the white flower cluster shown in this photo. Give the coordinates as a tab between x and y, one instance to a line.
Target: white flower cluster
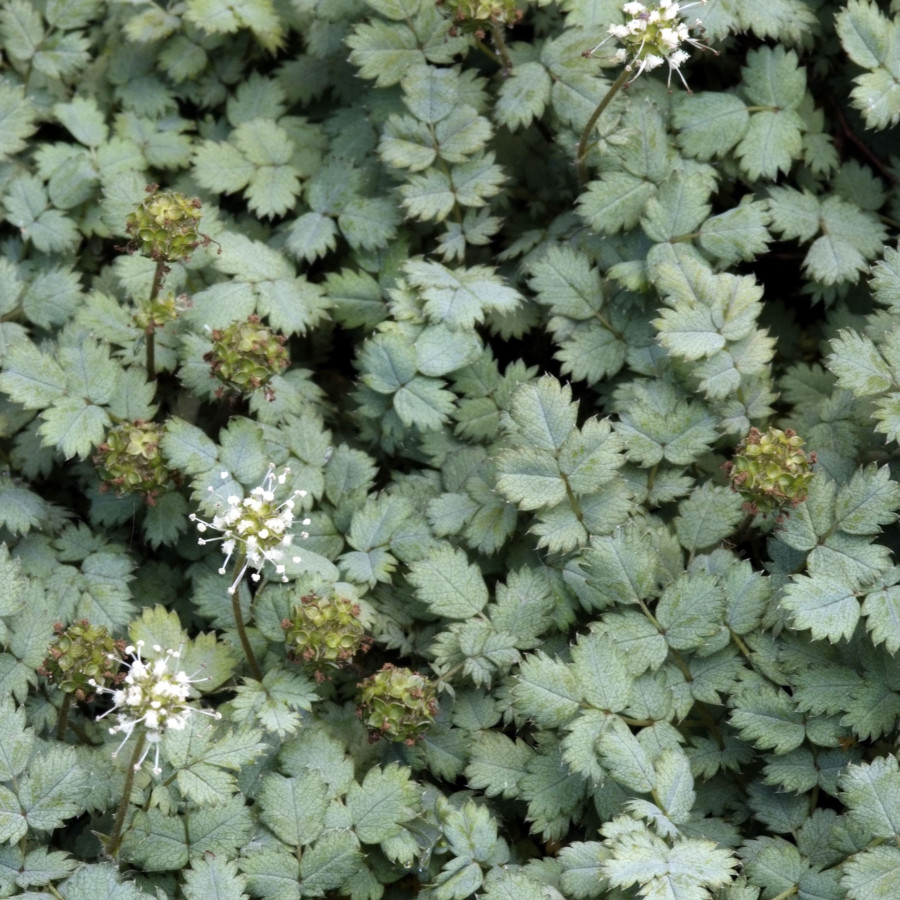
152	696
654	35
256	527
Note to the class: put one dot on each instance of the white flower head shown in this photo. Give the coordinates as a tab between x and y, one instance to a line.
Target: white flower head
153	696
256	527
653	34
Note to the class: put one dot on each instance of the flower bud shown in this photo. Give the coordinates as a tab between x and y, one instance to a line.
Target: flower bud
397	704
770	470
79	659
325	631
246	355
164	226
129	461
476	15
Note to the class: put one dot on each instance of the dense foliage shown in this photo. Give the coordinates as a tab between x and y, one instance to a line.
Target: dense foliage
442	459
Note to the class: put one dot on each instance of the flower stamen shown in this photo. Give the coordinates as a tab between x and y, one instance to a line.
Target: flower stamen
257	527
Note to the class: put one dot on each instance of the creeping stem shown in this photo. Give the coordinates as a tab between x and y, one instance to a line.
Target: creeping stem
239	565
115	837
582	150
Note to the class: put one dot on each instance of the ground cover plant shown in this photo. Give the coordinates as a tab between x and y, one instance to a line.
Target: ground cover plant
448	449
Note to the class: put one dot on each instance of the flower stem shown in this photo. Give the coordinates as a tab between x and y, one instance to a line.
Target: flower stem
582	150
62	721
158	278
115	837
501	48
239	564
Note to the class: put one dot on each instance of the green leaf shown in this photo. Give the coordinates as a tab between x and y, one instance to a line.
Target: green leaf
53	296
294	808
523	96
28	209
54	790
429	196
581	868
546	691
708	516
74	427
276	702
543	414
770	145
858	365
865	33
689	332
683	871
18	118
272	874
458	879
202	764
84	120
497	764
565	282
739	234
384	51
655	424
850	237
423	403
679	207
22	29
330	862
20	509
615	202
213	878
829	608
553	793
17	742
881	609
97	880
460	298
186	447
625	759
773	77
709	123
221	829
382	803
872	874
675	784
871	793
13	826
601	670
621	567
531	479
768	719
877	95
448	584
691	610
868	501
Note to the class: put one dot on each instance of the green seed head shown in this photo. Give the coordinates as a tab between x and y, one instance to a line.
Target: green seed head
397	704
81	657
325	632
246	355
160	311
770	470
164	226
476	15
129	461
